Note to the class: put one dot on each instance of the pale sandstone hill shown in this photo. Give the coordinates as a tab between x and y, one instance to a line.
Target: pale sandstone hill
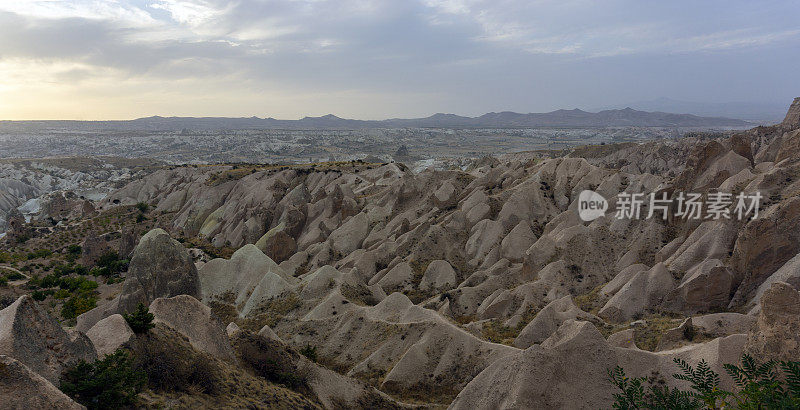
246	280
568	370
34	338
497	245
21	388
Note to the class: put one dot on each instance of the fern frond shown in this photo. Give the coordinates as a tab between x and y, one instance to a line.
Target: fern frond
791	370
685	368
749	366
736	373
765	371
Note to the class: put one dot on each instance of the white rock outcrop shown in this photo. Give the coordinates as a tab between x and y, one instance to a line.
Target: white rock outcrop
195	321
109	334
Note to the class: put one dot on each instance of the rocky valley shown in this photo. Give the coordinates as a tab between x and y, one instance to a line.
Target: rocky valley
383	283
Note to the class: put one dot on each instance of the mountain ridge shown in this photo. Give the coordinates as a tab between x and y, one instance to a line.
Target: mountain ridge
504	119
761	112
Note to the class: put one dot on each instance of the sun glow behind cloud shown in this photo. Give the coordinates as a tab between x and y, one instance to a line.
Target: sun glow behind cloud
376	59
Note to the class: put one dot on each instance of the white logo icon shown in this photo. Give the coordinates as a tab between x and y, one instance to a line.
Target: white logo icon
591	205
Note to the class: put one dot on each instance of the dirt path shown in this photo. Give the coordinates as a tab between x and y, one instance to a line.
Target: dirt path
16	282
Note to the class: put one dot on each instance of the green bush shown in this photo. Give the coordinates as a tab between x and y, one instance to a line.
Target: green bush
3	282
109	264
78	304
40	295
760	386
74	249
140	320
107	258
41	253
73	252
49	281
108	383
62	270
309	352
61	294
13	275
142	207
76	284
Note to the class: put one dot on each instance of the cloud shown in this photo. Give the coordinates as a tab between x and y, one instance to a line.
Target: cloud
733	39
119	12
193	14
471	54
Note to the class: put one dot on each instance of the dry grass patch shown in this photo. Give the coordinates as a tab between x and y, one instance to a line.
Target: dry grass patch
590	302
495	331
270	313
358	294
181	377
648	336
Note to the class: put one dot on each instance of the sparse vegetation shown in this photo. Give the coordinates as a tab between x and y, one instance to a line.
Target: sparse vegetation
74	251
40	253
590	302
465	319
310	352
111	382
648	336
268	359
271	312
495	331
78	304
358	294
172	365
79	292
12	275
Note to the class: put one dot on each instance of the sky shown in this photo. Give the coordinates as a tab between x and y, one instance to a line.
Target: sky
373	59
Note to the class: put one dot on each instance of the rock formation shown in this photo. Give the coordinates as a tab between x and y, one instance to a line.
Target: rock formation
194	320
34	338
792	119
248	279
544	375
22	388
92	248
16	225
109	334
160	267
478	284
548	320
777	332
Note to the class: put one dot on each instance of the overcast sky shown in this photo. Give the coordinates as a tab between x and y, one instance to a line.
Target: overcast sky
373	59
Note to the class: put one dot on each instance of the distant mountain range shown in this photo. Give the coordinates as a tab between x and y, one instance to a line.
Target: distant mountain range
751	111
561	118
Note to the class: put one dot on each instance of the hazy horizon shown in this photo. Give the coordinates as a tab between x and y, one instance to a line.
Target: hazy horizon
780	108
118	60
